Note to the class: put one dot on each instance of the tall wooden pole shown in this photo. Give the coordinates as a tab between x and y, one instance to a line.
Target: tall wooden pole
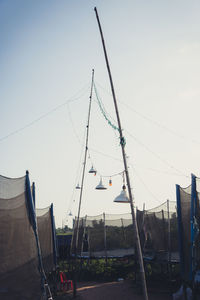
122	142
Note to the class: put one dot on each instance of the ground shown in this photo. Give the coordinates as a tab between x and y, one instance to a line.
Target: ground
122	290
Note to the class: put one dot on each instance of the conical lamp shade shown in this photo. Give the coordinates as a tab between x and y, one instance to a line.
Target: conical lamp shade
70	214
92	170
100	186
78	187
123	197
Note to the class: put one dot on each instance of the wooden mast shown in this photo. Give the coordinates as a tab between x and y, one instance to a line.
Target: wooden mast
122	143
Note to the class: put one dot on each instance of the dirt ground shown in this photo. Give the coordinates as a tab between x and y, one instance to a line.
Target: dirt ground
122	290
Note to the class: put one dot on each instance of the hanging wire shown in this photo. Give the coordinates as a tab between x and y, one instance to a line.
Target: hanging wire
71	99
150	120
72	124
97	172
123	142
150	169
160	125
144	184
156	155
110	176
106	155
72	199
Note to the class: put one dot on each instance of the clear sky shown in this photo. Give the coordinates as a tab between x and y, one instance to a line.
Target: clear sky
48	50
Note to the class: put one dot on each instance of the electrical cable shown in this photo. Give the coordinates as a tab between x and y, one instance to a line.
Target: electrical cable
71	99
150	169
77	176
151	120
72	124
156	155
144	184
147	148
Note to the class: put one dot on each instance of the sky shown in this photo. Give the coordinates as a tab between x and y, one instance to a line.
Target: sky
48	50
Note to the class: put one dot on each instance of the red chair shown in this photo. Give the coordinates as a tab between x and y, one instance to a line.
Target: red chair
65	283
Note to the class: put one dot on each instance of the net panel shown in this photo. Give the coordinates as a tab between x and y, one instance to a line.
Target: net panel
11	187
108	234
19	273
45	233
185	201
197	226
160	228
155	230
103	237
79	230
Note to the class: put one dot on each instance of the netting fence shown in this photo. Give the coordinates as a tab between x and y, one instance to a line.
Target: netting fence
112	235
46	232
21	273
189	227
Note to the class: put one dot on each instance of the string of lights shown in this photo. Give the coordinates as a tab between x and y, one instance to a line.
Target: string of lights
94	171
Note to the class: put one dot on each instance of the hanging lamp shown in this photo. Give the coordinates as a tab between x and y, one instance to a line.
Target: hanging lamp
100	186
78	187
123	197
92	170
110	182
70	214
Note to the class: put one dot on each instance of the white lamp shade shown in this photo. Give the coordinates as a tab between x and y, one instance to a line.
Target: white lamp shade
100	186
122	198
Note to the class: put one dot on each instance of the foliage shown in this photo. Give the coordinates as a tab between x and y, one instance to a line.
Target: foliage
64	230
100	270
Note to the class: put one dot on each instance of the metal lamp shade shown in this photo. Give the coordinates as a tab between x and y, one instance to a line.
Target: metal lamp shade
92	170
70	214
122	198
78	187
100	186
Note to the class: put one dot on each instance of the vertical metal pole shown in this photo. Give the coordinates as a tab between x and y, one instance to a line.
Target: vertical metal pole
82	181
124	235
73	234
122	142
33	193
89	248
169	242
84	230
143	217
85	158
105	242
192	226
164	232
